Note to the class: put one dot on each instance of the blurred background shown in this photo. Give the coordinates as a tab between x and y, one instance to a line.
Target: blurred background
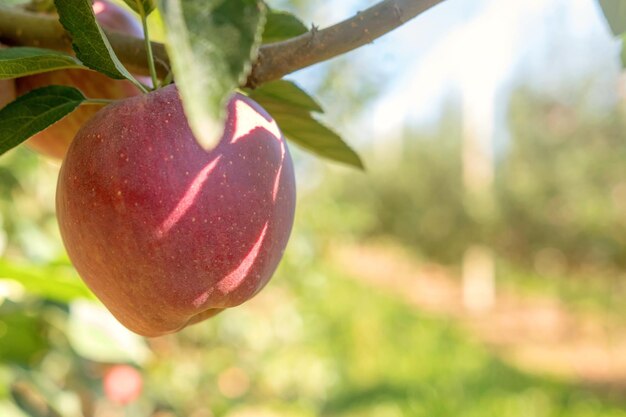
476	268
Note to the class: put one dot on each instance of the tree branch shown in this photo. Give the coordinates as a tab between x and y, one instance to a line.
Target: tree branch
279	59
19	27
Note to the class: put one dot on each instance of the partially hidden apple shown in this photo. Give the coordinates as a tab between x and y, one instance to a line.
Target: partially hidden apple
54	141
165	233
7	89
7	92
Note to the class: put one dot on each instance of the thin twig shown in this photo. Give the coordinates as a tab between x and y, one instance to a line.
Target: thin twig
279	59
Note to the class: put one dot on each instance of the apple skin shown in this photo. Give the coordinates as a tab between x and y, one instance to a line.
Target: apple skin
165	233
7	89
7	92
54	141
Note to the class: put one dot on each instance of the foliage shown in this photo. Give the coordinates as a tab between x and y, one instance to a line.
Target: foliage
562	186
281	25
34	111
211	46
615	14
292	109
559	190
26	61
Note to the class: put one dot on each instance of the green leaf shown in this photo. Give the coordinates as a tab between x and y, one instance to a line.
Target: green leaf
22	340
21	61
211	45
58	283
287	92
141	7
88	40
615	13
35	111
282	25
291	107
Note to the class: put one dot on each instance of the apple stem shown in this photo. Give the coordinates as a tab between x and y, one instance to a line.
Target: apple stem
146	37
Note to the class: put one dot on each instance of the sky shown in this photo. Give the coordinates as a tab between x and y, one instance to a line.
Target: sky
480	51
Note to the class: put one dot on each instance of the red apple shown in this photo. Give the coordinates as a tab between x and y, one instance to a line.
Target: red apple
165	233
7	90
122	384
55	140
